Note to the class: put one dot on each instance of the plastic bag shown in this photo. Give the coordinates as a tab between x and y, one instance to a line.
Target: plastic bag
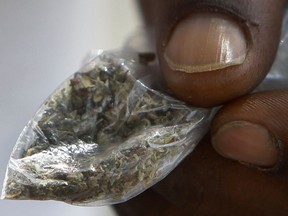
277	78
106	135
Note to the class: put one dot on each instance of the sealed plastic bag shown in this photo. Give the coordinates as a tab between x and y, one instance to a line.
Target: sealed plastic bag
104	136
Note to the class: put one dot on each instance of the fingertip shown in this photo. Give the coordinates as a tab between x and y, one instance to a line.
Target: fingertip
247	143
252	129
214	56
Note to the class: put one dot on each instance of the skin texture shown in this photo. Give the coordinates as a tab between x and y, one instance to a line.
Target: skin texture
261	22
206	183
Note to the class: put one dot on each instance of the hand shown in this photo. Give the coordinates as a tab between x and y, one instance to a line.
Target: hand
212	53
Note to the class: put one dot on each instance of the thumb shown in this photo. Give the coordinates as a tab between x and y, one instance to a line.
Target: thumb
213	51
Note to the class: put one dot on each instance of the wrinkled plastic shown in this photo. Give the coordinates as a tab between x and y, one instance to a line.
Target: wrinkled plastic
277	78
89	148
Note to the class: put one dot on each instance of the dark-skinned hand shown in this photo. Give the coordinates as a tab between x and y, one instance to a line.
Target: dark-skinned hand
215	52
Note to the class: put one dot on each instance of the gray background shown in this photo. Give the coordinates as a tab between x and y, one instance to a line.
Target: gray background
42	42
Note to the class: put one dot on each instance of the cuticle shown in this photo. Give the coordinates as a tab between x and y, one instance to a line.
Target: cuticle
281	159
282	152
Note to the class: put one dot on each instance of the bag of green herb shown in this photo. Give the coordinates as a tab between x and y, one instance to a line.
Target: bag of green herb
105	135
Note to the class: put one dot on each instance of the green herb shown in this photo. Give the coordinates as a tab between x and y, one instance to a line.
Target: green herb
102	137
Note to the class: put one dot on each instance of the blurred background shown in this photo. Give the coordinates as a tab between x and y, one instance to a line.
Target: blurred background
42	42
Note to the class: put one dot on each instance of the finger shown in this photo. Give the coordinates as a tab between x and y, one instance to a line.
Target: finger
213	51
253	129
207	184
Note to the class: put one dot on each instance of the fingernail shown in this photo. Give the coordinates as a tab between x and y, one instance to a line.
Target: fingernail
206	42
246	142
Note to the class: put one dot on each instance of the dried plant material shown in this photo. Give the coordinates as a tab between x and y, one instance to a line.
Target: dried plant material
101	138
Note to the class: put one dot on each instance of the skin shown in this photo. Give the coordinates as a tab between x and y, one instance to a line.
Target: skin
261	21
206	183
